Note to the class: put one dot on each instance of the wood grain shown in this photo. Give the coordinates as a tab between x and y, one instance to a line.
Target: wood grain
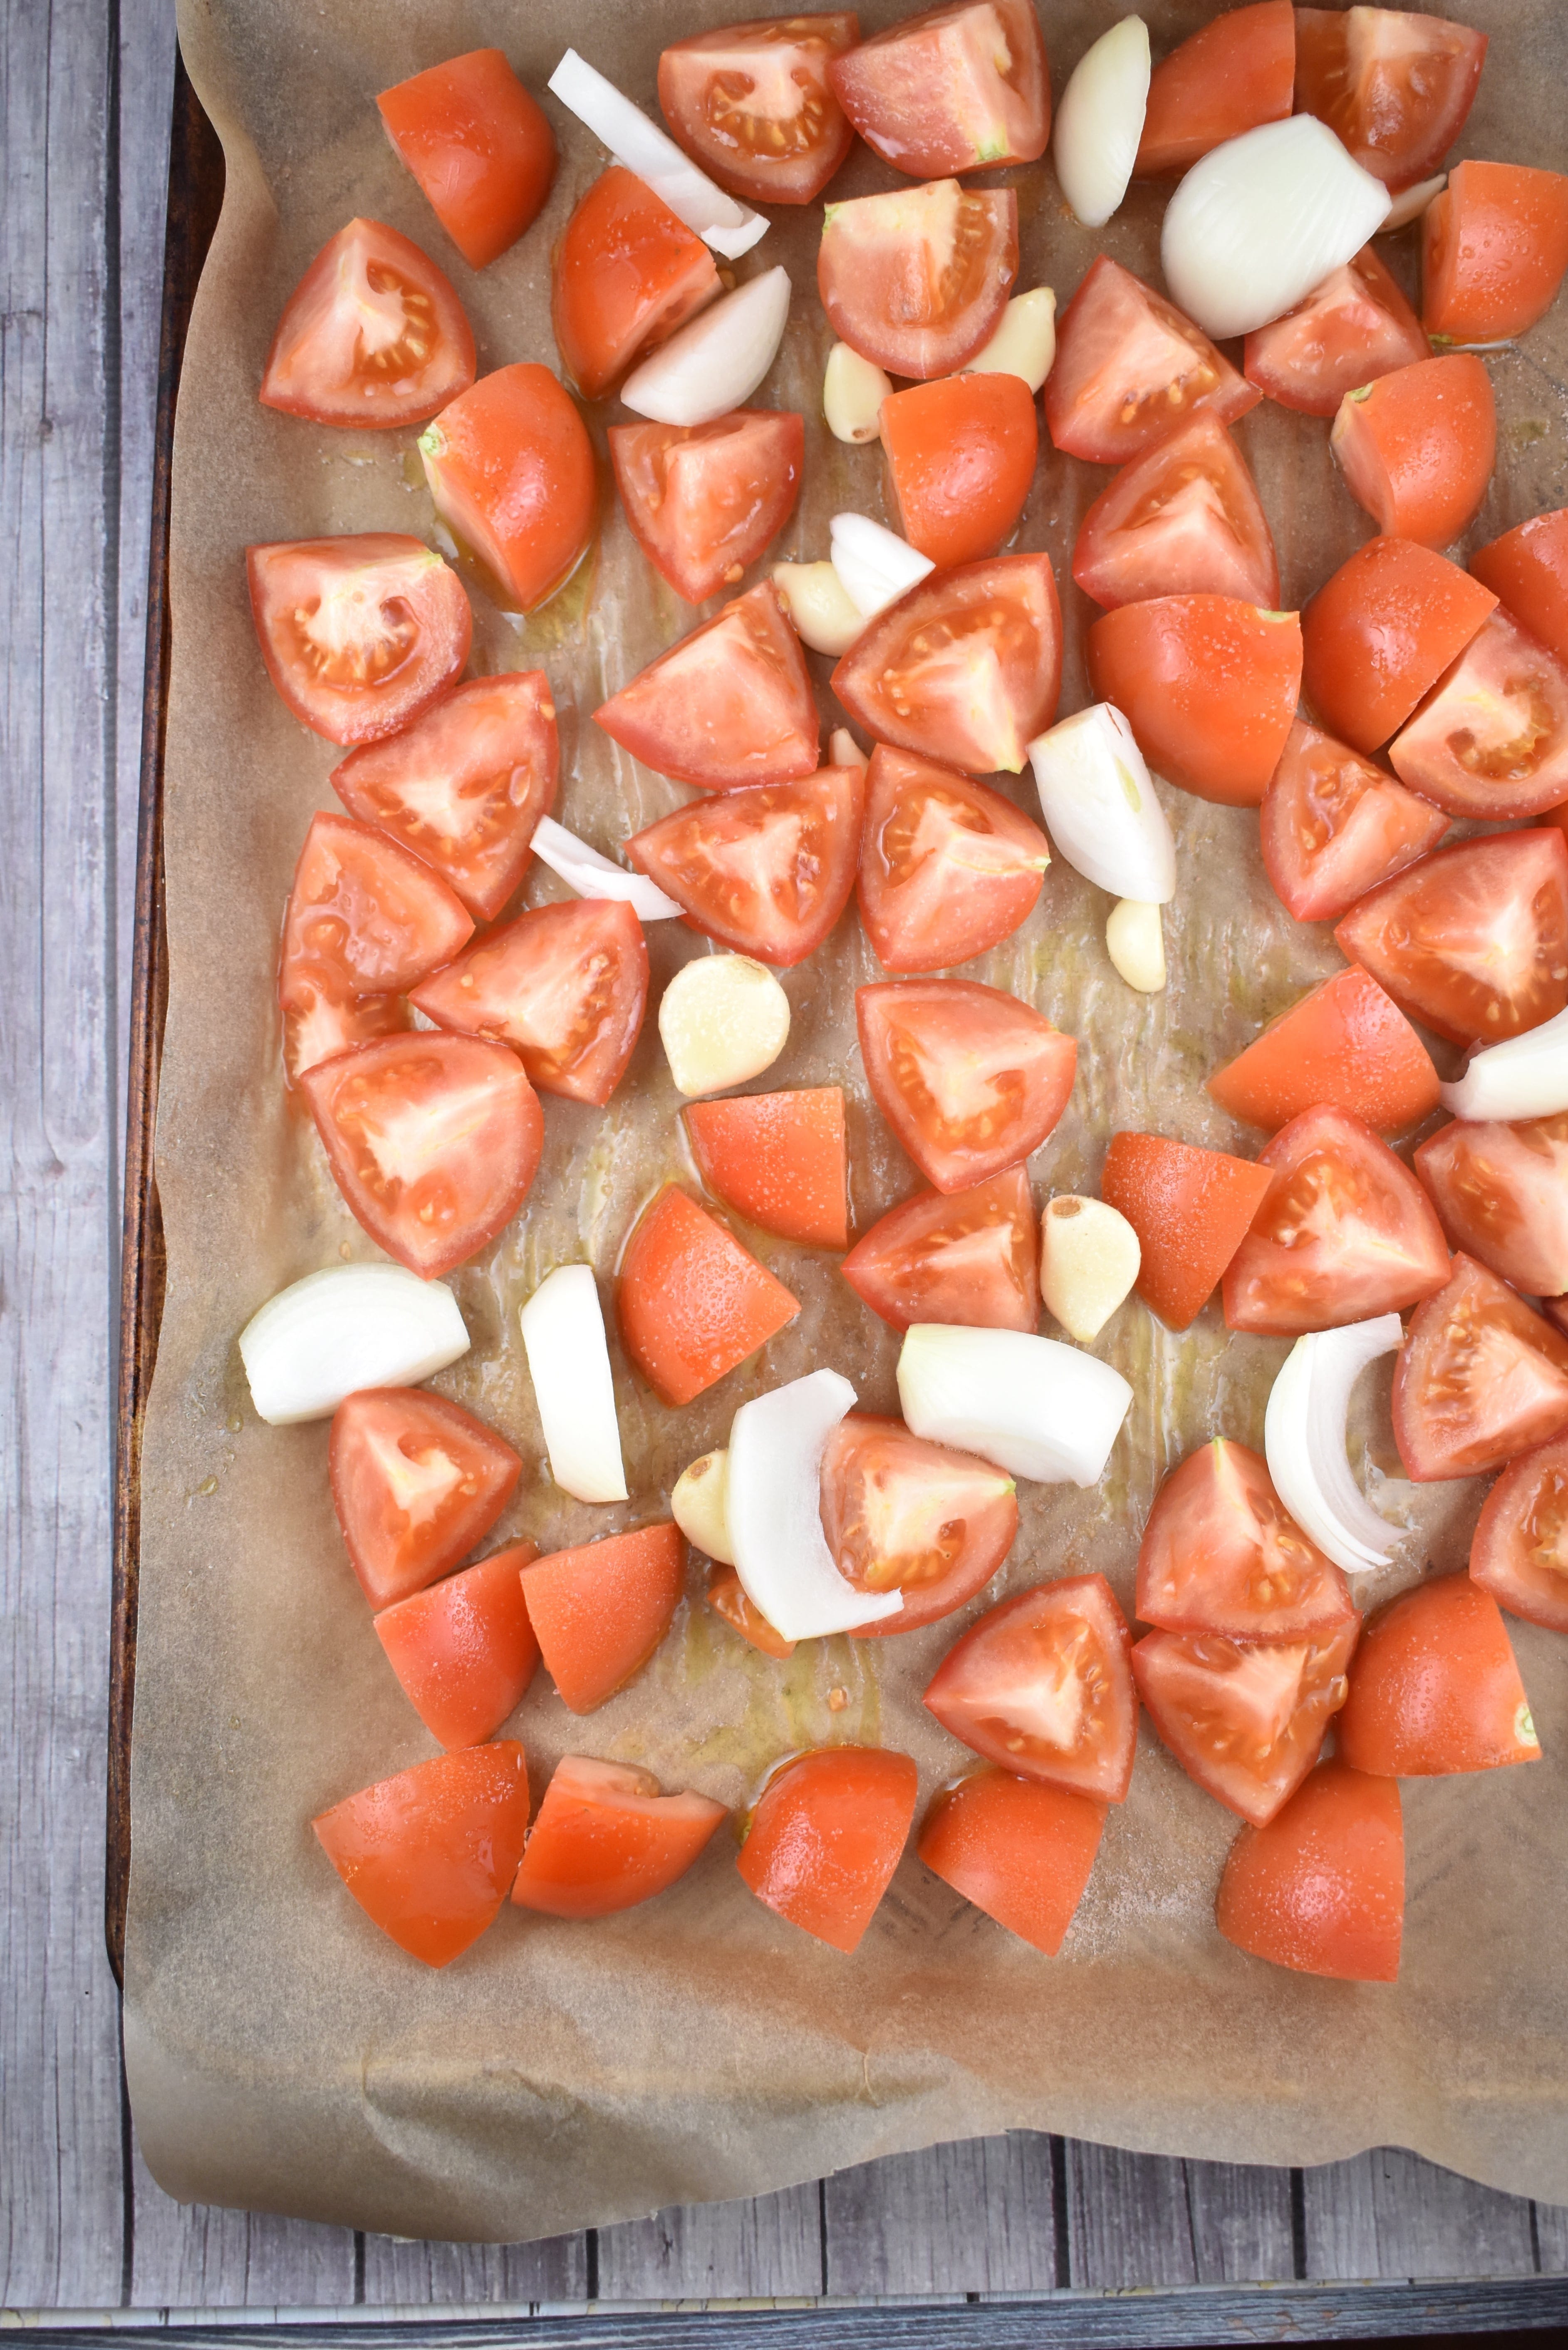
1137	2219
976	2218
402	2275
768	2249
1388	2214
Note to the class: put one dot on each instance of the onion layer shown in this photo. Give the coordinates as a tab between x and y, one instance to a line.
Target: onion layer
1304	1441
582	868
729	227
1525	1078
568	1362
875	566
1036	1407
717	362
1100	121
1100	807
350	1327
773	1503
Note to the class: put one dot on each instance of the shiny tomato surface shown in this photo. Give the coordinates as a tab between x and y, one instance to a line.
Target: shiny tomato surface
767	869
901	1513
358	634
752	104
970	1257
693	1302
1190	1210
373	335
1491	740
1380	633
599	1611
1321	1888
1354	327
416	1482
564	985
464	1649
1481	1379
916	280
779	1160
1473	940
479	147
1221	1555
1494	245
1519	1553
625	274
1208	685
729	704
961	88
1395	85
1346	1043
1020	1851
1435	1687
826	1836
704	500
1226	77
948	868
1042	1686
430	1854
1501	1195
1333	825
1245	1720
511	469
604	1839
1128	366
962	455
970	1078
1183	518
1527	570
1416	447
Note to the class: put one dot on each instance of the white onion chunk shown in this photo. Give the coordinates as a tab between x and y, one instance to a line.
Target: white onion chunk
347	1327
716	362
568	1362
1526	1076
874	564
1100	807
1304	1441
1034	1407
731	228
772	1502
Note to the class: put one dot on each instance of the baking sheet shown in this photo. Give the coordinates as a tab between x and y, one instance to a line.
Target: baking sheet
281	2053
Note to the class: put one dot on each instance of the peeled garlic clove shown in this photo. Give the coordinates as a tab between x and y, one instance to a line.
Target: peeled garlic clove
724	1018
1089	1258
844	751
1136	945
700	1506
853	390
1025	342
819	608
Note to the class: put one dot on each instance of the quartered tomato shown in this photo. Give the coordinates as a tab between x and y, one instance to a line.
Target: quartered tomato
916	280
1346	1042
372	336
767	869
1020	1851
961	454
429	1855
827	1835
1434	1687
779	1160
1519	1553
1527	570
948	868
416	1482
321	1018
1208	685
1494	245
729	704
958	88
1226	77
704	500
1190	1210
1220	1554
1397	87
1246	1721
903	1514
599	1611
1416	448
970	1257
752	104
1333	825
479	146
1354	327
465	1650
1473	940
1321	1888
434	1141
605	1838
1501	1195
965	669
726	1596
358	634
1380	633
1183	519
1481	1379
1128	366
564	986
969	1079
626	274
511	469
1042	1686
1491	738
693	1302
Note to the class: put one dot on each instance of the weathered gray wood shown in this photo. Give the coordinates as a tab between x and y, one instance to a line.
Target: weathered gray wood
400	2275
197	2257
1389	2214
975	2218
768	2249
1138	2219
1552	2238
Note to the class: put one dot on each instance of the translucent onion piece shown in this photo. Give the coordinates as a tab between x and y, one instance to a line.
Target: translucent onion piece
730	228
351	1326
1036	1407
1100	121
773	1508
1411	203
1525	1078
568	1362
876	565
1304	1441
717	362
582	868
1100	807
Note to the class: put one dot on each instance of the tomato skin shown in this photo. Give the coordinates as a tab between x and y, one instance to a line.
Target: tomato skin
731	704
599	1611
464	1649
1220	1554
901	1513
962	453
916	280
564	986
1321	1888
1501	1195
1042	1686
1226	77
626	274
704	500
1245	1720
511	469
1491	738
970	1257
916	92
316	367
1347	1044
1473	940
604	1839
1380	633
479	146
1527	570
777	58
948	868
969	1079
767	869
1020	1851
1395	86
693	1302
321	1019
1121	346
826	1836
1354	327
428	1854
1479	1379
1416	447
1434	1687
726	1596
1333	825
1518	1553
779	1160
1208	685
1494	245
358	634
1183	518
1190	1210
416	1482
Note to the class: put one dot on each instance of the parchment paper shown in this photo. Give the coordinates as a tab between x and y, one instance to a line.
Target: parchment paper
282	2054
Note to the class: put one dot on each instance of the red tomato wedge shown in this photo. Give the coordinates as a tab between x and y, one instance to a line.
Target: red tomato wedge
1334	825
767	869
1481	1379
1246	1723
1190	1210
916	280
969	1079
901	1513
1345	1231
322	1018
965	669
511	469
599	1611
1321	1888
960	89
1226	77
564	986
752	104
1182	519
704	500
1346	1044
826	1836
781	1161
1380	633
1473	940
970	1257
479	146
433	1142
1527	570
1042	1686
1434	1687
416	1482
430	1854
726	1595
1128	366
729	704
464	787
605	1838
1491	738
625	274
1221	1555
1354	327
1020	1851
948	868
1519	1553
372	336
1395	86
465	1650
1208	685
961	454
1494	245
1416	448
1501	1195
358	634
693	1302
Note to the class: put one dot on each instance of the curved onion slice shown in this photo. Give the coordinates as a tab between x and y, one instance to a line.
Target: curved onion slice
1411	203
1100	121
350	1327
1525	1078
875	566
1261	220
1100	807
772	1502
729	227
582	868
1034	1407
1304	1441
568	1362
717	362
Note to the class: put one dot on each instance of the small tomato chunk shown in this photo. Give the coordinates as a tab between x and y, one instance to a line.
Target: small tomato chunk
1417	446
1434	1688
1226	77
726	1596
465	1650
479	146
1380	633
430	1854
1321	1888
779	1160
704	500
1473	940
1527	570
1244	1720
948	868
767	869
599	1611
416	1482
1346	1043
1182	519
826	1836
966	1256
729	704
963	88
1190	1210
1395	86
1481	1379
1494	245
916	280
565	985
1042	1686
1519	1553
358	634
693	1302
969	1079
1333	825
604	1839
373	335
1220	1554
511	469
1354	327
901	1513
1501	1195
1020	1851
962	453
1208	685
626	274
1128	366
752	104
1491	740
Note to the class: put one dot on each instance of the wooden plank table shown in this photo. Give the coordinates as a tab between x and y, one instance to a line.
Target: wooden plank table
1027	2239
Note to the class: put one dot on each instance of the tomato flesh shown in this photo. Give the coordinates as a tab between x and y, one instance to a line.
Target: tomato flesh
511	469
626	274
704	500
1321	1888
961	454
692	1301
1501	1195
963	88
1042	1686
1491	738
752	104
1245	1721
1183	518
1434	1687
416	1482
1494	245
969	1079
826	1836
1380	633
780	1160
1226	77
726	1596
358	634
1128	366
1334	825
1354	327
373	335
1346	1044
1220	1554
566	986
1208	685
970	1257
1020	1851
605	1838
948	868
1473	940
1527	570
1416	448
1519	1553
479	146
465	1650
599	1611
1479	1379
1190	1210
767	869
903	1514
916	280
1395	86
729	704
429	1855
